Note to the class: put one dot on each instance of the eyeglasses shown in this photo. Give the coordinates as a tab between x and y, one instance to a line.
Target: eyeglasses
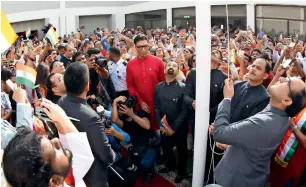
142	47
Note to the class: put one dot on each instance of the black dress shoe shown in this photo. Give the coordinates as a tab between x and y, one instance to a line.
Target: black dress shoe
165	170
147	178
178	178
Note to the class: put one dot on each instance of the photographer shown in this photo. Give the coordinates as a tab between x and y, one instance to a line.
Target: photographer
138	126
100	83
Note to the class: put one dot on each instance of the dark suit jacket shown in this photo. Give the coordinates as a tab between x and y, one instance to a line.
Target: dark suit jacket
190	95
91	123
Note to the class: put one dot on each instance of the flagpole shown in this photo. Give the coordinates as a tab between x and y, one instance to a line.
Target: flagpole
228	44
203	16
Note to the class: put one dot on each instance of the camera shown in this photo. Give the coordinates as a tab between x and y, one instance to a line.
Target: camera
107	123
130	102
101	61
92	102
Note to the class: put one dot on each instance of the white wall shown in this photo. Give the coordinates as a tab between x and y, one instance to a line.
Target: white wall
69	16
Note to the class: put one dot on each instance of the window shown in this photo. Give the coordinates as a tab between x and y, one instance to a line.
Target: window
184	17
236	15
285	19
147	20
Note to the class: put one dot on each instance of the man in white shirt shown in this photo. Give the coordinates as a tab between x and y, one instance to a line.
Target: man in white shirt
117	71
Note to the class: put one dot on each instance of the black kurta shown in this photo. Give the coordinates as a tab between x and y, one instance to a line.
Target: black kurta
248	100
216	92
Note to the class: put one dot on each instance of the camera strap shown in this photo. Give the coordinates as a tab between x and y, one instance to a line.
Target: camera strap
105	91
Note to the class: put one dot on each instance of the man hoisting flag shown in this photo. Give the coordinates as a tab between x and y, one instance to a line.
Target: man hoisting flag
8	35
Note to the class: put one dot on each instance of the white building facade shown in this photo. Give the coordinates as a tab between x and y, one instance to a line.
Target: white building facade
66	16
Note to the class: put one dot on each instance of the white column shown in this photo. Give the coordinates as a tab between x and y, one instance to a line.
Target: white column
119	21
71	24
62	19
203	15
250	10
169	17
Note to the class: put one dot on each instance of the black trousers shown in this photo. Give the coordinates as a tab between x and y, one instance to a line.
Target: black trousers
178	139
123	93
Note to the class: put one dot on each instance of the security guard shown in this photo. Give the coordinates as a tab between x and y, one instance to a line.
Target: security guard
117	71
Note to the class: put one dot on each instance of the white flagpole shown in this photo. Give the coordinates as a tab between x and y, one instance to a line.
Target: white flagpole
228	44
203	19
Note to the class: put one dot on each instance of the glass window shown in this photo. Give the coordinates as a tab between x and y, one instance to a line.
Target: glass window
184	17
147	20
286	12
236	13
272	27
281	18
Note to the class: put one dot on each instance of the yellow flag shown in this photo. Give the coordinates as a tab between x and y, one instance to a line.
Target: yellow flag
8	35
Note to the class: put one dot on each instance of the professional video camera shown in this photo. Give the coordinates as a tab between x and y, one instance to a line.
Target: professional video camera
101	61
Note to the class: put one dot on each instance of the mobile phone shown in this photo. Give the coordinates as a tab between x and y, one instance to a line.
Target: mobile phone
115	36
10	84
292	44
261	35
243	32
286	64
38	93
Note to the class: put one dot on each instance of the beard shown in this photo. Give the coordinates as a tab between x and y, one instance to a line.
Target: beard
64	173
170	71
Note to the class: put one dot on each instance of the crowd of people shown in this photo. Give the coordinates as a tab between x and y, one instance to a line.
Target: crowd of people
110	106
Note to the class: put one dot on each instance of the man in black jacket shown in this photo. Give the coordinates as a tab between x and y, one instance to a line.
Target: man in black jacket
169	104
76	80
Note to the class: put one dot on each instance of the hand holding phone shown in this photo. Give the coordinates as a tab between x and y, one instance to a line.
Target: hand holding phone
260	35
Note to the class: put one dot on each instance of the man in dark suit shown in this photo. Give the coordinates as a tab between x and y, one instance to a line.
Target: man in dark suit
76	80
190	95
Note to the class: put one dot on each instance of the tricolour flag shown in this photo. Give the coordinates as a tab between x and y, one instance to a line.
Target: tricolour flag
25	75
8	35
28	33
290	142
164	123
51	35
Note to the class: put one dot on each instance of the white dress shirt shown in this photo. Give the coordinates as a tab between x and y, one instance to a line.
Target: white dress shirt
117	73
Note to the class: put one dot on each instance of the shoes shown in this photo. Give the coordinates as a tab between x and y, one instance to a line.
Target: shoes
165	170
178	178
132	168
147	178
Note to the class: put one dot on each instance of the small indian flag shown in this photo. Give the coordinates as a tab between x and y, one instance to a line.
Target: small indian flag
164	123
51	35
25	75
28	33
8	36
